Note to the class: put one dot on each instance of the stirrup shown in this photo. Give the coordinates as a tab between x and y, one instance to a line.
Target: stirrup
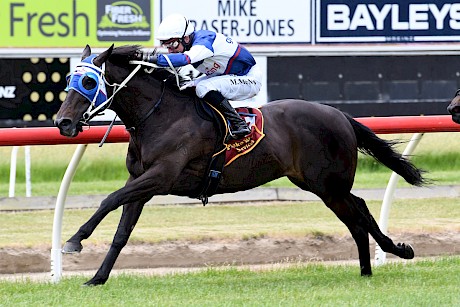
240	135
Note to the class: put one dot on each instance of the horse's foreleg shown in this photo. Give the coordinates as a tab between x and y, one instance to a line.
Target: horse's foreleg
134	191
129	218
73	245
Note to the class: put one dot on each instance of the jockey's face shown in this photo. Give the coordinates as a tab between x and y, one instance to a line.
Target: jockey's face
174	45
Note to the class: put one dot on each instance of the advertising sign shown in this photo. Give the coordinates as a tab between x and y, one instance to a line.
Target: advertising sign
387	21
72	23
248	21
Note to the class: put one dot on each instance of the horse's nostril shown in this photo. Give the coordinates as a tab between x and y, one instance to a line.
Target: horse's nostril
453	109
63	123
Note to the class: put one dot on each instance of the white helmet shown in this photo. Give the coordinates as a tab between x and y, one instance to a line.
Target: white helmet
174	26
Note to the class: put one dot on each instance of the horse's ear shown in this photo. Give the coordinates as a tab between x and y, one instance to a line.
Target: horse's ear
86	52
101	58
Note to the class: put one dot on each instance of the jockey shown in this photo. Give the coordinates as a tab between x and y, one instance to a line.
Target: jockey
230	71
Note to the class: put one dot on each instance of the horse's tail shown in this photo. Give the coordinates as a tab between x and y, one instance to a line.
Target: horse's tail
383	151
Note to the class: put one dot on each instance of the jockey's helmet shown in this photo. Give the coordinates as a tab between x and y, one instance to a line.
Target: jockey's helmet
174	26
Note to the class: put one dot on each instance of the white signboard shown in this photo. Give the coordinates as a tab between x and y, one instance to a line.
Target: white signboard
247	21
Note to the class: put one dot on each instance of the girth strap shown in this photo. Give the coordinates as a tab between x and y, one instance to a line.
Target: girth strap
213	178
216	165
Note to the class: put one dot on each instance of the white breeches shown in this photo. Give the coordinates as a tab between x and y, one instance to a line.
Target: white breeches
232	87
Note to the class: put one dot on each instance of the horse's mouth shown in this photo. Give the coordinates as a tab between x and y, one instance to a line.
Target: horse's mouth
67	129
456	118
72	132
454	110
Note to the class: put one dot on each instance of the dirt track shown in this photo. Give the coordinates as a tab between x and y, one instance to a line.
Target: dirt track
254	251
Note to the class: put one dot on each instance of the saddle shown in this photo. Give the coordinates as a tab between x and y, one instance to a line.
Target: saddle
227	150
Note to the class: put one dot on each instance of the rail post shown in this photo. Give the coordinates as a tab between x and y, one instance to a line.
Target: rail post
56	255
380	255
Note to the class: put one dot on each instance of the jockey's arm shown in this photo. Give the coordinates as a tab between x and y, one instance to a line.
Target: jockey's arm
195	54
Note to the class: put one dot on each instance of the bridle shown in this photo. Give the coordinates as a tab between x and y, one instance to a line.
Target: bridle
97	96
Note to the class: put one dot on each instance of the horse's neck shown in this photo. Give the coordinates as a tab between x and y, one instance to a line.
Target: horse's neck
145	98
160	105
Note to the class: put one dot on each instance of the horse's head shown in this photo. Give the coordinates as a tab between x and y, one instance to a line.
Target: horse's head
454	107
86	93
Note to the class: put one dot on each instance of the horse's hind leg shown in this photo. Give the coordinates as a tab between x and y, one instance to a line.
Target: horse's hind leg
346	210
402	250
129	218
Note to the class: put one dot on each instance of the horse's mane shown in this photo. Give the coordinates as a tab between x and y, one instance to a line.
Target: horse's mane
122	55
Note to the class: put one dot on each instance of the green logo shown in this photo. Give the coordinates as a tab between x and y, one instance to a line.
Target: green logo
123	14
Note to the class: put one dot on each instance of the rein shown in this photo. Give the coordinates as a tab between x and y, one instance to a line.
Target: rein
152	110
91	112
98	97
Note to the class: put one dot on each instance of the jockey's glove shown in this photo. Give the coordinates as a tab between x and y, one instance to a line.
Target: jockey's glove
146	57
151	58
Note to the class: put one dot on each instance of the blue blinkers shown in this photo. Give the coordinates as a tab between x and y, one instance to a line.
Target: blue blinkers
96	95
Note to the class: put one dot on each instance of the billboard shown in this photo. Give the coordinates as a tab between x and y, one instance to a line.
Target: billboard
249	21
323	22
386	21
72	23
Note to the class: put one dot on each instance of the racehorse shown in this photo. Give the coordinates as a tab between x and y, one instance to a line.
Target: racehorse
454	107
315	146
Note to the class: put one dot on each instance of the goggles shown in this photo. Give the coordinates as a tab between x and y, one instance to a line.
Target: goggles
171	44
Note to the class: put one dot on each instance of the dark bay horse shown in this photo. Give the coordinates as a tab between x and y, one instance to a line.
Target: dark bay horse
314	145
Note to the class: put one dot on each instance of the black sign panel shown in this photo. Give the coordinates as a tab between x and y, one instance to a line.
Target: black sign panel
31	91
368	85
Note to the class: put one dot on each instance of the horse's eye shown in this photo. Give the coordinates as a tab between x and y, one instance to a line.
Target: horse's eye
88	83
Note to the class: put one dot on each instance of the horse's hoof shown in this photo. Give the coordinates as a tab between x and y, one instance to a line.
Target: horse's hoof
407	251
94	282
366	271
72	248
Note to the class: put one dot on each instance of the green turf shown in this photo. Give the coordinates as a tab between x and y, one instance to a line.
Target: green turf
423	283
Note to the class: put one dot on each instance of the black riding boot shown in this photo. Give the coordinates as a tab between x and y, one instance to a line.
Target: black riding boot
239	128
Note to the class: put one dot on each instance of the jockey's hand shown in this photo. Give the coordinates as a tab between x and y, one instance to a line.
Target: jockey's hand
151	58
187	84
146	57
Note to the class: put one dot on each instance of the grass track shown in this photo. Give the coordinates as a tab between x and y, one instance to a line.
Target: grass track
422	283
